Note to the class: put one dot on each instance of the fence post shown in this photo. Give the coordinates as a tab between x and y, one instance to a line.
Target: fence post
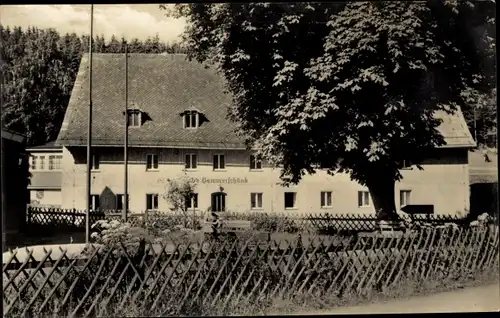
28	215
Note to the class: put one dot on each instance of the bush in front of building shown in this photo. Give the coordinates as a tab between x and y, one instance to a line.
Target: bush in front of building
274	223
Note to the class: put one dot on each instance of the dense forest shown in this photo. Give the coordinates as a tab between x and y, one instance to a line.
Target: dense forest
39	67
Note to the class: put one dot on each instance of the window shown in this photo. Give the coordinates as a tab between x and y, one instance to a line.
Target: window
255	163
191	119
151	162
219	163
190	161
94	202
151	201
218	202
55	162
120	201
94	165
363	198
134	118
192	203
326	199
33	162
256	200
42	163
404	197
290	198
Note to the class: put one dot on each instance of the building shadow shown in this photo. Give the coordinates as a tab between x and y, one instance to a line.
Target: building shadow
483	198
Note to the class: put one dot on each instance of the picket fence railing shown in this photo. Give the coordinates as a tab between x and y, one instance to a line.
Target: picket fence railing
214	277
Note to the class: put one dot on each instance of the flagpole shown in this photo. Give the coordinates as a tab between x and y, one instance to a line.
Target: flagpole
125	150
89	132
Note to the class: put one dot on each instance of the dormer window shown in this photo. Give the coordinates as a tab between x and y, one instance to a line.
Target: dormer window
134	117
191	119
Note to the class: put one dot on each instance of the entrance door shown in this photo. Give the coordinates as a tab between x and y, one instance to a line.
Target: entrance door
218	202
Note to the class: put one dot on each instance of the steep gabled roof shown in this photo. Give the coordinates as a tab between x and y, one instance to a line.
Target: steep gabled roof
454	130
163	86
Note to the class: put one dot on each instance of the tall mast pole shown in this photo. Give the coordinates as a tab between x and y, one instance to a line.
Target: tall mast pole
89	132
125	150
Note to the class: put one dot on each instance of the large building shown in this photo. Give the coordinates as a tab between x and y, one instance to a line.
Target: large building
178	126
45	170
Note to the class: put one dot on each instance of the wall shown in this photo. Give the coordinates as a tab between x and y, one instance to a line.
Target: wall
14	181
444	182
50	198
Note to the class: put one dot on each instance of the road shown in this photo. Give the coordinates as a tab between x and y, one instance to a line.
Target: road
471	299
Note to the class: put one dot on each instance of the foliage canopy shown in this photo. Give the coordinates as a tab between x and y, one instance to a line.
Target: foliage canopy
347	86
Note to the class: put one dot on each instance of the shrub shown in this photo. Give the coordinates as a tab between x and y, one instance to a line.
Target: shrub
274	223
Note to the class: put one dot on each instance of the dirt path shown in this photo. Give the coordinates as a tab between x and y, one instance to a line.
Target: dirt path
471	299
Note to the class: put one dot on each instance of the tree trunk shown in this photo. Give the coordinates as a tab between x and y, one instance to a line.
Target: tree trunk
383	197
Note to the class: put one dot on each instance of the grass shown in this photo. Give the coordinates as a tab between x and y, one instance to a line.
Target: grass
405	289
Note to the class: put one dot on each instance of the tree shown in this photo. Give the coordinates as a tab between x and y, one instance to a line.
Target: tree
99	44
135	46
36	87
481	116
348	86
179	192
114	46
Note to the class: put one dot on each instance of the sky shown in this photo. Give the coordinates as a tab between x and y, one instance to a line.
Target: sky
130	21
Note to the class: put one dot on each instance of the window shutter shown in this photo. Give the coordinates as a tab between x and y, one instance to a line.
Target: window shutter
323	199
252	161
137	119
193	119
216	164
149	160
188	165
252	200
155	161
360	198
193	162
148	201
222	163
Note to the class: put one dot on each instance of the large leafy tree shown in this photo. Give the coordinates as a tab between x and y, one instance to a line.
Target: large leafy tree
351	87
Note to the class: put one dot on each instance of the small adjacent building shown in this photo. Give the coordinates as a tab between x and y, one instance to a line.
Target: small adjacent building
45	169
178	126
15	178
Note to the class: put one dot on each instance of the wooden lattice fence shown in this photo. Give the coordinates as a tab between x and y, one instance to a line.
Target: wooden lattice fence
271	222
173	278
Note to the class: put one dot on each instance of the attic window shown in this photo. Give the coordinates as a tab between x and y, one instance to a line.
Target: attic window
191	119
134	117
